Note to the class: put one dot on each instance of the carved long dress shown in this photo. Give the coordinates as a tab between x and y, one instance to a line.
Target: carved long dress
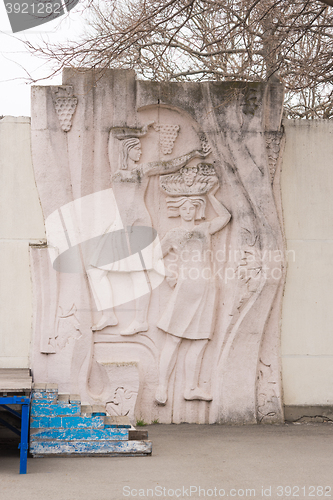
190	311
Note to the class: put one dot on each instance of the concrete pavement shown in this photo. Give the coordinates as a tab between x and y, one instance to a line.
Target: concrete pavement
189	461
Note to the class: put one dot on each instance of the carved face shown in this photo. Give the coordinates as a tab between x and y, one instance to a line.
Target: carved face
187	211
189	174
135	152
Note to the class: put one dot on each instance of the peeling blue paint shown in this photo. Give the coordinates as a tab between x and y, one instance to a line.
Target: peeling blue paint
83	422
39	422
45	398
55	409
117	425
79	434
59	428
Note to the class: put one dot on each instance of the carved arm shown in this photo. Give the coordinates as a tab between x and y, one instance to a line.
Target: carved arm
166	245
223	215
168	167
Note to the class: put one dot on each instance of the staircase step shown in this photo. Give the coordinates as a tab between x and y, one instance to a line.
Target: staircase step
15	372
40	393
63	398
38	387
86	409
115	434
75	398
61	426
80	421
137	435
114	421
90	448
98	410
51	387
41	409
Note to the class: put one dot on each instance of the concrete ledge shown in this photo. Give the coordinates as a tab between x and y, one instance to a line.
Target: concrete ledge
308	413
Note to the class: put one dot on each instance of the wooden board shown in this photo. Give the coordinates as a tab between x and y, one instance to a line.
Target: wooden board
15	380
15	372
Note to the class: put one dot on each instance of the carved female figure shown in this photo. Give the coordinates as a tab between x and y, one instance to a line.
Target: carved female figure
190	311
129	184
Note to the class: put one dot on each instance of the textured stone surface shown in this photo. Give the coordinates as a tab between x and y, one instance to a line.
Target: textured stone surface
306	189
207	349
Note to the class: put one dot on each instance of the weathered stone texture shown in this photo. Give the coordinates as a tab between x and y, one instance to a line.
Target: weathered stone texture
198	165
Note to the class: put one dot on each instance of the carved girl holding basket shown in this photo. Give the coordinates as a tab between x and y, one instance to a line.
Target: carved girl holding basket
190	311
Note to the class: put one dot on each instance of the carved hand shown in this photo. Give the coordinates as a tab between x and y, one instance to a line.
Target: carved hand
201	154
172	281
214	189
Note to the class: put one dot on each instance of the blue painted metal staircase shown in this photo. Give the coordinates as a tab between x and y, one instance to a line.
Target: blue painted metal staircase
61	426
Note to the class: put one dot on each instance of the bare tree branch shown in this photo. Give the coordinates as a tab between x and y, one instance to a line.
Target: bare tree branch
211	39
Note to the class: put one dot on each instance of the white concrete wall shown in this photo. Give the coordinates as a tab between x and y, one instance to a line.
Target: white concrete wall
21	222
307	320
307	195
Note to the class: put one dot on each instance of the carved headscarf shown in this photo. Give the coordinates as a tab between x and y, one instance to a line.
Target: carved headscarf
126	145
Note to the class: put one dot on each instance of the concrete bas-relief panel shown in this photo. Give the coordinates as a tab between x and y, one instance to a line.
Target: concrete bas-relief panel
159	291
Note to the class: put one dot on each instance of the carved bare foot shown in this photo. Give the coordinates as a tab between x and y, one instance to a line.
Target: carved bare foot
161	396
106	320
197	393
135	327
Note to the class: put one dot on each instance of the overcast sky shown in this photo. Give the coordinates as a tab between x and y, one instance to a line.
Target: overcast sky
15	60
